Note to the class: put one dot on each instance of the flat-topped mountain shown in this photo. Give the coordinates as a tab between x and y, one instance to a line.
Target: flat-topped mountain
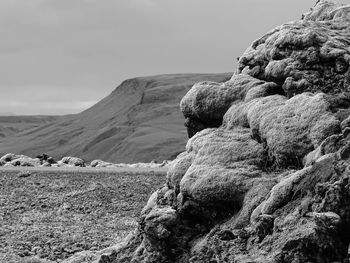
139	121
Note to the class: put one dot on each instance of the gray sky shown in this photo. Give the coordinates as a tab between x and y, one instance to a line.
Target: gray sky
62	56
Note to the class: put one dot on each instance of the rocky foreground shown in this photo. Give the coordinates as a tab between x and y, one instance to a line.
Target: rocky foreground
48	215
10	160
265	176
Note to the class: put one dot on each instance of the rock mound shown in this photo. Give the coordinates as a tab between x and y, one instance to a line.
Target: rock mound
72	161
307	55
11	160
44	160
265	175
151	165
206	103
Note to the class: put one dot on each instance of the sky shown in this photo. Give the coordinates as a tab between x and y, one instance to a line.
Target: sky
62	56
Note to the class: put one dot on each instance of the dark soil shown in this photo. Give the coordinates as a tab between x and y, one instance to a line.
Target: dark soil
54	214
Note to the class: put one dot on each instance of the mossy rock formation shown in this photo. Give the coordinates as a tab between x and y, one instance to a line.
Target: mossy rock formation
265	176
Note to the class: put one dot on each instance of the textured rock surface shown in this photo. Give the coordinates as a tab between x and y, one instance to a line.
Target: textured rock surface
312	54
43	160
265	176
11	160
289	128
100	163
206	103
72	161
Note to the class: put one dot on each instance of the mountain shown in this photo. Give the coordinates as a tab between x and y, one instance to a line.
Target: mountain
11	124
139	121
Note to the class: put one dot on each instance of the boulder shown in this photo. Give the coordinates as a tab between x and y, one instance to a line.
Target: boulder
11	156
225	161
10	160
289	128
100	163
72	161
206	103
45	158
26	161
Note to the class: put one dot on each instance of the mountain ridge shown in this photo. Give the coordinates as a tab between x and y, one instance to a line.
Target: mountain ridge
139	121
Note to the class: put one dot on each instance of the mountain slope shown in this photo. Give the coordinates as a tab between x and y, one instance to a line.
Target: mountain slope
139	121
11	124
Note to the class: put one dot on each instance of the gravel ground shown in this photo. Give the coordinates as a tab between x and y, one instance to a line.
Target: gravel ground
52	213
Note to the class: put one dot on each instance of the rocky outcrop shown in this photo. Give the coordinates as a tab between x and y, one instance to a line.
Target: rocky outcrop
10	157
307	55
12	160
265	175
206	103
289	128
100	163
44	160
71	161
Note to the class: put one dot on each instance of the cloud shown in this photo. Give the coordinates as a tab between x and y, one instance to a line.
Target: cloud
144	5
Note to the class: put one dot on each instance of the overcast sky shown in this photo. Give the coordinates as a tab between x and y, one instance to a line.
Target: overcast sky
62	56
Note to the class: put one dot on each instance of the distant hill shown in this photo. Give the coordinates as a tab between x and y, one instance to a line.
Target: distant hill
139	121
7	114
12	125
